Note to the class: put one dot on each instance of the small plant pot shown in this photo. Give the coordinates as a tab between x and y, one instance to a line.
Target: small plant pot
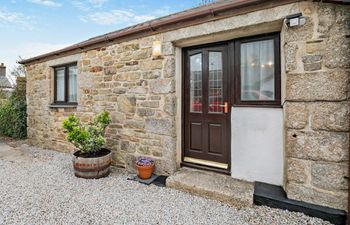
145	172
92	166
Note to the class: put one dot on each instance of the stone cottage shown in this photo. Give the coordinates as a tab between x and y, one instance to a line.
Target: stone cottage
257	90
5	85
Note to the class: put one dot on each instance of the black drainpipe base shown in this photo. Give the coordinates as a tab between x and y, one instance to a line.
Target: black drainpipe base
275	197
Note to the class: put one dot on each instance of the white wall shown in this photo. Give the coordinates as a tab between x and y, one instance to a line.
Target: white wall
257	144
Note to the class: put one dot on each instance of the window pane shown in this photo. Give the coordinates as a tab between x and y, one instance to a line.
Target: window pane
60	86
215	82
196	83
72	97
258	71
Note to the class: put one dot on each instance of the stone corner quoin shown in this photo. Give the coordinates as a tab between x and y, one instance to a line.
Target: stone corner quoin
317	107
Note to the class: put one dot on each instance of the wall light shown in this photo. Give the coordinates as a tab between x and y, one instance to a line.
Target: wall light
157	50
295	20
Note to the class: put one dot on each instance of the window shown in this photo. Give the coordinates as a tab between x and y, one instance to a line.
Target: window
215	82
258	71
196	82
66	84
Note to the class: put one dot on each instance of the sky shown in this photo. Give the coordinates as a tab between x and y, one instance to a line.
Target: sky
32	27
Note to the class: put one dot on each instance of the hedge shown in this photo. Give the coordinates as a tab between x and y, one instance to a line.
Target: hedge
13	118
13	113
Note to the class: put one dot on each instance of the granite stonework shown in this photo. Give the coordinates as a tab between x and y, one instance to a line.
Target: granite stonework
123	79
141	94
317	106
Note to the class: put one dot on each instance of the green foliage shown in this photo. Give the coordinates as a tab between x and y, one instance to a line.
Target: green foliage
13	112
88	138
2	94
13	118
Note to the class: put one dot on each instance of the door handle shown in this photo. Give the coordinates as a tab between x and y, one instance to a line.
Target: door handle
225	105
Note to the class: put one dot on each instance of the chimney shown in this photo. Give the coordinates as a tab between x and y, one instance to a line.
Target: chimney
2	70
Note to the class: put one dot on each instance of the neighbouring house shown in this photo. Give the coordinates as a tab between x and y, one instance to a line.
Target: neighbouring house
258	90
5	85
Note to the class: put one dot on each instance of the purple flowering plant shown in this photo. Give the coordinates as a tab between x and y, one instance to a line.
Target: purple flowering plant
144	161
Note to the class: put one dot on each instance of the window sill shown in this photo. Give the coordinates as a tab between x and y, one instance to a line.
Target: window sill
63	106
258	105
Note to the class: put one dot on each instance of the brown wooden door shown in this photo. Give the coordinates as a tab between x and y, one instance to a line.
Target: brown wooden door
206	91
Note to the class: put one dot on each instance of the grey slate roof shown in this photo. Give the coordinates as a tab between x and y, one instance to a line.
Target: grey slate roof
4	82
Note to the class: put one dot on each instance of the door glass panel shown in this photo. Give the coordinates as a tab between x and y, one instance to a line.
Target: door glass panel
196	83
60	87
215	82
72	97
258	71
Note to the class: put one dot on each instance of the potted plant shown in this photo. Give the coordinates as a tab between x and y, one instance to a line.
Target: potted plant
91	160
145	167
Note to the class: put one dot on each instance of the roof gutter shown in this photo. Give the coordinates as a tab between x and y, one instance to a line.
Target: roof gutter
151	25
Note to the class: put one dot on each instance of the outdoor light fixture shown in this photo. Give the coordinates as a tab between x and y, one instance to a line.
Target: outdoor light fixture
157	50
295	20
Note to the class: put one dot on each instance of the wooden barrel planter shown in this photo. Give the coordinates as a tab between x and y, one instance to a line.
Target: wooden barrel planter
92	166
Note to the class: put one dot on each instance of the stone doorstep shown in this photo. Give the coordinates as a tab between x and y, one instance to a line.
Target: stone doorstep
214	186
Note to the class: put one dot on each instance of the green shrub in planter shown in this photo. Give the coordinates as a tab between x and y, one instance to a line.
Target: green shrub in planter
88	138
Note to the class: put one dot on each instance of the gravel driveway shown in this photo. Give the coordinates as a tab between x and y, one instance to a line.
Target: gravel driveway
38	187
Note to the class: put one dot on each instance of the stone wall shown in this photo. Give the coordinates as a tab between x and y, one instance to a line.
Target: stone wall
317	106
5	94
123	79
139	92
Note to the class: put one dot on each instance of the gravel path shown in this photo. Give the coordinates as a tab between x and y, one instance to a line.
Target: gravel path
39	188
